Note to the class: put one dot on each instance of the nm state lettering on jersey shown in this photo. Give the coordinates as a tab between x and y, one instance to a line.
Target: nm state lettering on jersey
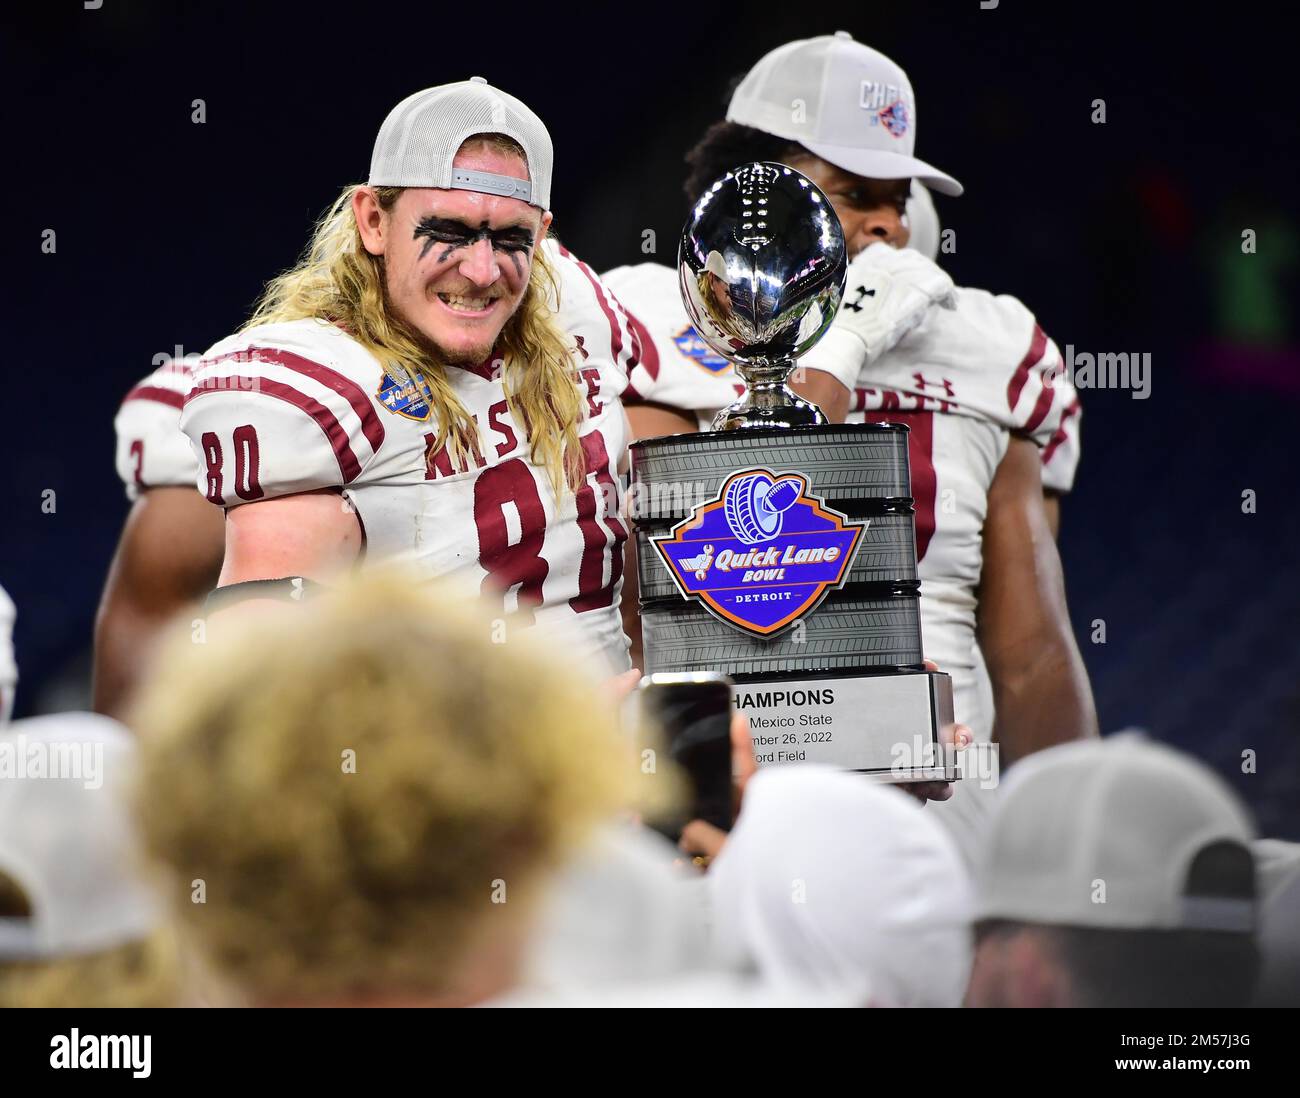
301	406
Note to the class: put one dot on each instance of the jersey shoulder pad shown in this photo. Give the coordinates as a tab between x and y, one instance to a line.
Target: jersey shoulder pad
591	313
690	375
1013	365
283	408
151	451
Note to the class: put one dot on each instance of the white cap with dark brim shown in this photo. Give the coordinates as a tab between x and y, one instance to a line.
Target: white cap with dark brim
1117	834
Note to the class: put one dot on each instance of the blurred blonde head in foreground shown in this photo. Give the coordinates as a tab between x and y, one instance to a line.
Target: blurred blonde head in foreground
365	792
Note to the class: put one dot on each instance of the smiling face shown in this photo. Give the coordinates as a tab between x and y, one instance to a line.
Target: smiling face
456	263
869	210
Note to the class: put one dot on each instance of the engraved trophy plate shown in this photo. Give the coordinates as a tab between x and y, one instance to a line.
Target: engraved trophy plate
779	549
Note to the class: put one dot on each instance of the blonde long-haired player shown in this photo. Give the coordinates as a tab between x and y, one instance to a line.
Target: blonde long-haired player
436	379
374	819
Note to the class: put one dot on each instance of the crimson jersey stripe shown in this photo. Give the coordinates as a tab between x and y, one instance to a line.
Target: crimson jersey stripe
348	389
1041	407
349	466
615	334
920	456
1037	348
156	392
1060	434
643	345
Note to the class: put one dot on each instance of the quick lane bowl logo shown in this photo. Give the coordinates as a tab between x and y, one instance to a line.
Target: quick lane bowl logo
693	347
763	553
404	398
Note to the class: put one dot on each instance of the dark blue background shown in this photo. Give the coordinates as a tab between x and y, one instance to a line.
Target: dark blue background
1122	237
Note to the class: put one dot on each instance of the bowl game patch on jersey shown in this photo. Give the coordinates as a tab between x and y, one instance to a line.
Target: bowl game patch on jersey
690	344
405	397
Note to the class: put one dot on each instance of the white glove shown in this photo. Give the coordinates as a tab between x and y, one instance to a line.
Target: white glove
888	293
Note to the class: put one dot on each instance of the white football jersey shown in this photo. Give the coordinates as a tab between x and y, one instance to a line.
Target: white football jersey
963	381
151	450
298	406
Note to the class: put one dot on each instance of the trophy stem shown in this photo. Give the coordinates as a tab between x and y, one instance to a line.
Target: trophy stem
768	401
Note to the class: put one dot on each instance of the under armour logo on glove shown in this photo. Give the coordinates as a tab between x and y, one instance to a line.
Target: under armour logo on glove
891	290
856	303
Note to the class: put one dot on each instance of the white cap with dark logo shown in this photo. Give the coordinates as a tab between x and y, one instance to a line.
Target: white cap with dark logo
845	102
422	134
1119	833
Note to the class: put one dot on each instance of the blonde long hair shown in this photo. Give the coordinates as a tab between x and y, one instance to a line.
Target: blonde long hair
337	280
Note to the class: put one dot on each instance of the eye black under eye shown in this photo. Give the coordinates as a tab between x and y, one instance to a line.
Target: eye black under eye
514	242
437	230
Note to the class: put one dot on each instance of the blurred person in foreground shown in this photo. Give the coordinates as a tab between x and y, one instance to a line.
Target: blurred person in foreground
1278	864
79	925
1119	873
373	794
830	883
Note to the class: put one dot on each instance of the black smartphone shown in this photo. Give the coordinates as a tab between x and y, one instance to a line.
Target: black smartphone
694	712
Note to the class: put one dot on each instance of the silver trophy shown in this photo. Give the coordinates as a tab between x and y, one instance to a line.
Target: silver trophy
780	549
762	268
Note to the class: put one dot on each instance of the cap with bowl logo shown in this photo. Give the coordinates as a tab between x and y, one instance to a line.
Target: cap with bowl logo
422	134
845	102
1119	833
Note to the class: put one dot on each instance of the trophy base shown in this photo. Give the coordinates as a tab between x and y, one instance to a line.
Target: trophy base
895	727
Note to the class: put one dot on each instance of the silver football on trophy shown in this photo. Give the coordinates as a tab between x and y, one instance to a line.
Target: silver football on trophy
762	267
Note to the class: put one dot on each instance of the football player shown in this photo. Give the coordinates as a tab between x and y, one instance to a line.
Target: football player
992	422
407	390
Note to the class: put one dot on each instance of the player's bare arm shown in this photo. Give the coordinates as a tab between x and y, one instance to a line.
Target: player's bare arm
167	560
824	391
313	535
1052	508
1040	687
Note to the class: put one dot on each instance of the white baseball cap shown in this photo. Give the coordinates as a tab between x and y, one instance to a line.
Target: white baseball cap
843	101
422	134
67	841
1118	834
834	883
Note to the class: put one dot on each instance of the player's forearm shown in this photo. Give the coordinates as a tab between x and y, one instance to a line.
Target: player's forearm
1041	697
823	390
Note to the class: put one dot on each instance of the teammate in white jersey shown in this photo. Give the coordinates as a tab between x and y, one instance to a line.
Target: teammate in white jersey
412	365
992	422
